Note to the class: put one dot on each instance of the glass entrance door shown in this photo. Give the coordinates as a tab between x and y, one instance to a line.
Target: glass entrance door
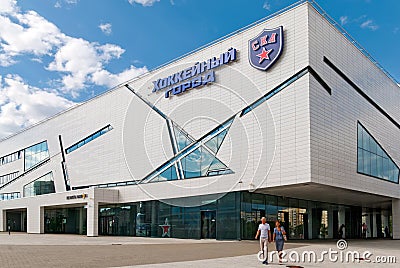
108	225
208	224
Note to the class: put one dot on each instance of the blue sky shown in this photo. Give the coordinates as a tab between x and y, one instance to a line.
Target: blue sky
56	53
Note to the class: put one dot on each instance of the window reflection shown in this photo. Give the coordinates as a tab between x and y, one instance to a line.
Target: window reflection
36	154
89	139
372	159
42	185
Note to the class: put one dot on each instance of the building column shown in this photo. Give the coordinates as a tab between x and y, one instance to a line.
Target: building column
368	223
310	223
3	221
396	218
81	211
330	223
35	220
92	225
374	231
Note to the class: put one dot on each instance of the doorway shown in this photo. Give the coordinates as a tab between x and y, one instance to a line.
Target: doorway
108	225
208	224
16	220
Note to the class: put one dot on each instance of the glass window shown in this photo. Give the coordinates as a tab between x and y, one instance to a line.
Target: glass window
88	139
386	168
360	163
36	154
366	142
182	138
374	170
42	185
372	159
272	93
9	196
367	162
379	163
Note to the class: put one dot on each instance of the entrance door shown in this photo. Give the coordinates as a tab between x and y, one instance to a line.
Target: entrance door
108	225
208	224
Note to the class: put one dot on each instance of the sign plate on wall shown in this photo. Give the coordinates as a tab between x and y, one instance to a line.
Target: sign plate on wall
265	48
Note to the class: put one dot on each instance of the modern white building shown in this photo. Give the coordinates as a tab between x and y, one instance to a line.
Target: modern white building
286	118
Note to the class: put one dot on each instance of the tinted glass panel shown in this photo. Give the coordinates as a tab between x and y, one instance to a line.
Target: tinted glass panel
88	139
36	154
372	158
42	185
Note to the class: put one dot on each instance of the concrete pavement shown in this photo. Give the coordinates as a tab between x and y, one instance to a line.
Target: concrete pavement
49	250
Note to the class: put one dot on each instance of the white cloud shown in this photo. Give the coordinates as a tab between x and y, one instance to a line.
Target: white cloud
145	3
106	28
8	6
67	3
369	24
78	62
30	34
105	78
75	59
344	20
267	5
22	105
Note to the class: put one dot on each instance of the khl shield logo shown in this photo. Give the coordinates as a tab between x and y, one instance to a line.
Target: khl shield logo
265	48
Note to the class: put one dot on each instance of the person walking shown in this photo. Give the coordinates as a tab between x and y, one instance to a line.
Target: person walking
364	230
387	234
264	231
341	231
279	238
9	228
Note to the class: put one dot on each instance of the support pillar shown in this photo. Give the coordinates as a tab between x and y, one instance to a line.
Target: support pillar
35	220
396	218
154	214
81	212
92	218
330	223
3	221
368	223
374	231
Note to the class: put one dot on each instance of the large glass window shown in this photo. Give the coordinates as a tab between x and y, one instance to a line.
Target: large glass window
372	159
42	185
88	139
36	154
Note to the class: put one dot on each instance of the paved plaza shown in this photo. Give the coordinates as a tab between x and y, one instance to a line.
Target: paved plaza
29	250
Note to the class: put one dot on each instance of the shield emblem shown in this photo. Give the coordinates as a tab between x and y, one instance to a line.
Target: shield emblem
265	48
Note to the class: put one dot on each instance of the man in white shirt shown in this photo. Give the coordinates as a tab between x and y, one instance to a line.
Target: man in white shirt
264	231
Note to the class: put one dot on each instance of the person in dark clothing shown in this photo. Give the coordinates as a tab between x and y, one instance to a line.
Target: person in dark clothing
387	234
364	230
341	231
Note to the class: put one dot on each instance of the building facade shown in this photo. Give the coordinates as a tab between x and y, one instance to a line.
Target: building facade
286	118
